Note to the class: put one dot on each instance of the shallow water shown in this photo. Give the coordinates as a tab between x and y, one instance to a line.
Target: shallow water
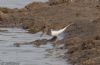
17	3
26	54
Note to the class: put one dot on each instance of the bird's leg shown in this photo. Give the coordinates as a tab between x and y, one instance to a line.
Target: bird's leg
42	33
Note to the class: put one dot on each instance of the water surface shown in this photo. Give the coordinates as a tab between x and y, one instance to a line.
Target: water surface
17	3
26	54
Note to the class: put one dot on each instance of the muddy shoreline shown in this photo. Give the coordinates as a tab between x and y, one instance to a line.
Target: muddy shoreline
82	39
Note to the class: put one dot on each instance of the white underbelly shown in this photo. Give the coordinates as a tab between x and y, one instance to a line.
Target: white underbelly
55	33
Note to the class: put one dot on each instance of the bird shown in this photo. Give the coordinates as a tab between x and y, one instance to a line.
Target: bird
58	32
54	33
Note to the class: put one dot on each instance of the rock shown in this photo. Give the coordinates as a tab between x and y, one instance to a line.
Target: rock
40	42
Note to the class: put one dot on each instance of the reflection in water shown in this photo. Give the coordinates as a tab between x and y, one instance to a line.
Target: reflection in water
26	54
